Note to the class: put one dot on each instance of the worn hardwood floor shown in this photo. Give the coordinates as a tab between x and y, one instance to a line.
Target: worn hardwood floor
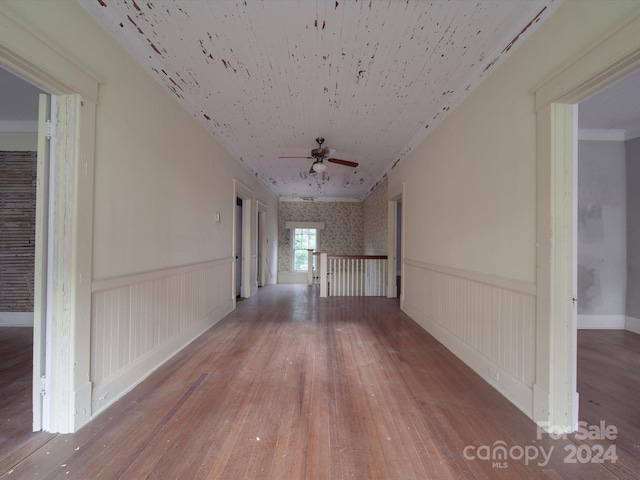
16	359
609	389
290	386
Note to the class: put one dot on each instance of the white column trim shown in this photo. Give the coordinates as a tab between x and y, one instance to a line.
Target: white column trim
27	53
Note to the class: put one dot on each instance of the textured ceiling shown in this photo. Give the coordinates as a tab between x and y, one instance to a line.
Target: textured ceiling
373	78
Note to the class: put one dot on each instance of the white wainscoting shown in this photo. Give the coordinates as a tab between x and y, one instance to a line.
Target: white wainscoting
140	321
487	321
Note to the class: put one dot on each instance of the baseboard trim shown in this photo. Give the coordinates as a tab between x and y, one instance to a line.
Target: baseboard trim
632	324
601	322
16	319
82	396
518	393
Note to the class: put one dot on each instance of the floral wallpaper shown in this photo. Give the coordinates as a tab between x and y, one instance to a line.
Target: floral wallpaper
351	228
342	233
375	221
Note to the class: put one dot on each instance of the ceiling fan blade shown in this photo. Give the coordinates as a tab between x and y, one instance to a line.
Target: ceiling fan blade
326	151
342	162
297	157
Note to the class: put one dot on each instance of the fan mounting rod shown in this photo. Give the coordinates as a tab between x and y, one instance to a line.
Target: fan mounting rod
318	153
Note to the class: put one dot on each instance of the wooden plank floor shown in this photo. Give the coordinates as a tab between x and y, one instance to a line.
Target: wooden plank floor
290	386
16	347
17	441
609	388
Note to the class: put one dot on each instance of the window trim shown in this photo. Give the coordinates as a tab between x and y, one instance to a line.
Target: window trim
318	226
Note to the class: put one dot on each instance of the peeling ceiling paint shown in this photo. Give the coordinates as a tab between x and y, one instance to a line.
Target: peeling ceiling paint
373	78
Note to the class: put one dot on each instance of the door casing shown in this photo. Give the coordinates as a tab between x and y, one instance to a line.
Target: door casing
555	399
34	58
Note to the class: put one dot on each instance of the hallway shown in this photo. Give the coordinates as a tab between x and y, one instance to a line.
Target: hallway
293	386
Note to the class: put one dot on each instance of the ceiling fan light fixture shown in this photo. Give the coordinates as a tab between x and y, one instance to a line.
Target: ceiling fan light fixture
319	167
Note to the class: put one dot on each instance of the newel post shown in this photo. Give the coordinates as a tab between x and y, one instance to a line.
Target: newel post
323	274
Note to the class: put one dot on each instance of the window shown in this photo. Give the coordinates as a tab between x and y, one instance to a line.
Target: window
304	236
303	240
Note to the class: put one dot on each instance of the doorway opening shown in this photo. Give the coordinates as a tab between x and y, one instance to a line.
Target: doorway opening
23	254
606	248
238	247
606	206
262	245
555	398
395	253
244	281
398	248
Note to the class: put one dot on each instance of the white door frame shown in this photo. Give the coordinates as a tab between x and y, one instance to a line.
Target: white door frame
237	246
246	194
555	400
394	195
32	57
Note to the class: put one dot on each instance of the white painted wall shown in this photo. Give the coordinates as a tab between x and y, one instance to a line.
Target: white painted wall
161	263
608	207
602	234
632	154
470	208
19	141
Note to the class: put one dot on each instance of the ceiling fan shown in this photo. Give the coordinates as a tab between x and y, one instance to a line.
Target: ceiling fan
319	155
